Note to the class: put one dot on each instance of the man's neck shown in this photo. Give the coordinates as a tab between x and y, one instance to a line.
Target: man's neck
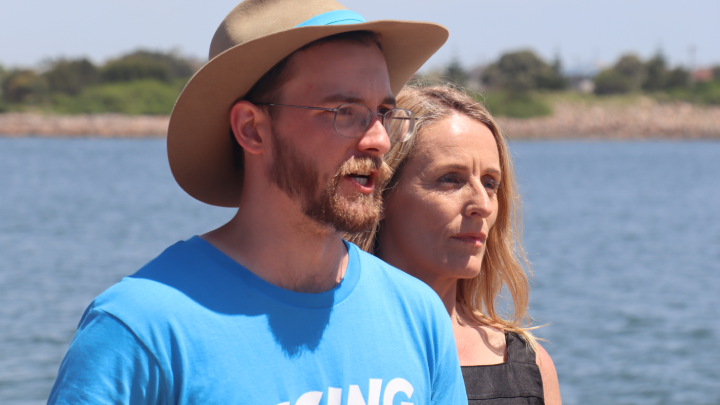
274	240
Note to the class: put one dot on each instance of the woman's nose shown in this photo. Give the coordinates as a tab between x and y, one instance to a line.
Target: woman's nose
478	202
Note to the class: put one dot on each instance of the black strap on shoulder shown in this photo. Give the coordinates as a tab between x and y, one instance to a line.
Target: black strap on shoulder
518	351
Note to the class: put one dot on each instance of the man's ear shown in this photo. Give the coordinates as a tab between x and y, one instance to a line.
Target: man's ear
250	124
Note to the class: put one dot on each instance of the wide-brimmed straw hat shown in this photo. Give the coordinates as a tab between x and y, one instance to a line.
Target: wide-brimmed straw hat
256	35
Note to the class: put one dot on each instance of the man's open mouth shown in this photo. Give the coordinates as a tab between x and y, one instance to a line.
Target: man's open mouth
362	179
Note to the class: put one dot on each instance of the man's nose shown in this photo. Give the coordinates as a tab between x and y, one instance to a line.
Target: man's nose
375	141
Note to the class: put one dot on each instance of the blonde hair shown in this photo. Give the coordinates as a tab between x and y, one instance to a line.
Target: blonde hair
504	256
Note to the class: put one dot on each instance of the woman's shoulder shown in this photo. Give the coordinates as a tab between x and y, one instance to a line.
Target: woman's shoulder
551	386
478	343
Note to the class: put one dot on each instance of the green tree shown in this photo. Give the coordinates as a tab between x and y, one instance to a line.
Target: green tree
3	73
678	78
126	70
716	72
632	68
455	72
71	76
492	76
520	72
610	81
627	75
178	66
657	73
147	65
24	86
553	78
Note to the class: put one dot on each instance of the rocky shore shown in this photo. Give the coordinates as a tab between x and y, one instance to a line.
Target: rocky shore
646	119
90	125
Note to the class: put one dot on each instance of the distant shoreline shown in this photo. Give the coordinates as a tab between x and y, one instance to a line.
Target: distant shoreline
85	125
645	119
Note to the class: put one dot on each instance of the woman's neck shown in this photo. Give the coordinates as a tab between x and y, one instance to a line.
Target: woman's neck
447	290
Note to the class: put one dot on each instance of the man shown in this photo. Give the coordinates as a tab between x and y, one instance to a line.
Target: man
274	307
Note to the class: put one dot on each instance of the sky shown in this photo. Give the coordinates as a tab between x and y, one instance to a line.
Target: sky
582	33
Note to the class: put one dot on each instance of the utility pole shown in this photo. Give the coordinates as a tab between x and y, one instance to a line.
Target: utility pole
691	54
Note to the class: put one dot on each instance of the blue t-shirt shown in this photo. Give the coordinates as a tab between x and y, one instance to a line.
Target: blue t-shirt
195	327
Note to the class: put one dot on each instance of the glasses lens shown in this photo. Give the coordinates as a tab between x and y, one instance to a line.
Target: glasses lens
351	120
399	124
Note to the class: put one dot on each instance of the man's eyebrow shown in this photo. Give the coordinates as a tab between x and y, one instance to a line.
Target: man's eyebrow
390	100
351	98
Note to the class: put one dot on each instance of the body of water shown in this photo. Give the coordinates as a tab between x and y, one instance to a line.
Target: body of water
624	238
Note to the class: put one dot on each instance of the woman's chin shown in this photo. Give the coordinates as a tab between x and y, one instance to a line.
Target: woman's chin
469	270
469	274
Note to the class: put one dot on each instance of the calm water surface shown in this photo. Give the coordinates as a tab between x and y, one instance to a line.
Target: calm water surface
624	240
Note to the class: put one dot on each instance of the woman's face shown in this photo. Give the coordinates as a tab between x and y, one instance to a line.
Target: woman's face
438	217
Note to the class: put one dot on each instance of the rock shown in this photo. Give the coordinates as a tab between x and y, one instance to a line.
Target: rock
95	125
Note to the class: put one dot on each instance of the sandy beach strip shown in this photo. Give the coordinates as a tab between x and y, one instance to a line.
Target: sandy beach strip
646	119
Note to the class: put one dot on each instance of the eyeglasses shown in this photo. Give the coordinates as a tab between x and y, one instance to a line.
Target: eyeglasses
352	120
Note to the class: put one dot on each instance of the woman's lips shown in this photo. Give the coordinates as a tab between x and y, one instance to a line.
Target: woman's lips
474	239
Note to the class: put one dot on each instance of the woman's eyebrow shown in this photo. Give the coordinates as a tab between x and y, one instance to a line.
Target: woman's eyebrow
455	166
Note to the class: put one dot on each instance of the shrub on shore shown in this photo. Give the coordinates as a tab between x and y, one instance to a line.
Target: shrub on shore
141	82
135	97
515	105
700	93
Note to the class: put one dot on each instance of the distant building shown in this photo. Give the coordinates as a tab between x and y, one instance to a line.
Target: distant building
702	75
581	77
582	84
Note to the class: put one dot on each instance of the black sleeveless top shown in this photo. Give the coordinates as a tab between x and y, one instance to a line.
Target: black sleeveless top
515	382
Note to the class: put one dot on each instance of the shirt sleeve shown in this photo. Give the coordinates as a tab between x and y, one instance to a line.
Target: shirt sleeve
107	364
448	384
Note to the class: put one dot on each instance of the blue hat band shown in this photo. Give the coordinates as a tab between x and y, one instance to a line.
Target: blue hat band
337	17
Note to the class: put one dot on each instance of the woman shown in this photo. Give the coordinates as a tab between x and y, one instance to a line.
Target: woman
452	219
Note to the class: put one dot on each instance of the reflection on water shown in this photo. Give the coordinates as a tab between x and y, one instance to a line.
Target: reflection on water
624	238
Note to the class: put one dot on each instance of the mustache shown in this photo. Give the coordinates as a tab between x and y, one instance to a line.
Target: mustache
366	164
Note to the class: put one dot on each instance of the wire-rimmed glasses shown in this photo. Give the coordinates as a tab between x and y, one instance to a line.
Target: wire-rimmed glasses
352	120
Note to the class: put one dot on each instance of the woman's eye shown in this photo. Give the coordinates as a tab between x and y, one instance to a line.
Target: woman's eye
491	185
449	179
